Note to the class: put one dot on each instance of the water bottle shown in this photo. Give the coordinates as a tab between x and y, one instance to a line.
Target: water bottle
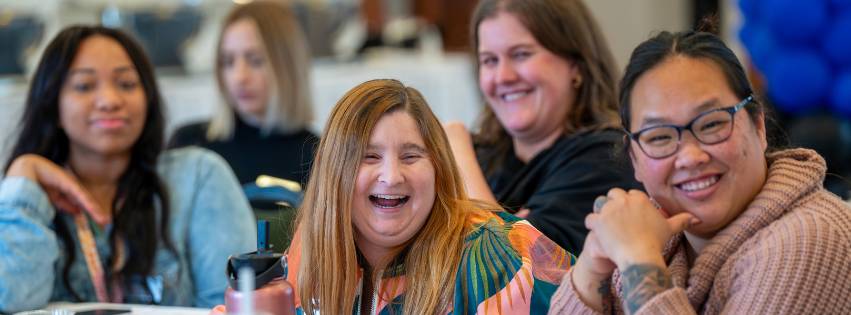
270	292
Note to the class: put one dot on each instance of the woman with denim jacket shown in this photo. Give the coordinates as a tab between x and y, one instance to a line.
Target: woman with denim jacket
91	209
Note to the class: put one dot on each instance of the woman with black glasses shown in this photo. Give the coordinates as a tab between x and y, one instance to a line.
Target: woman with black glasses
728	225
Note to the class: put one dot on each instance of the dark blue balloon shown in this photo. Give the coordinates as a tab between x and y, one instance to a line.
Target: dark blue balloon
751	10
837	41
840	4
746	34
840	98
796	21
762	45
798	80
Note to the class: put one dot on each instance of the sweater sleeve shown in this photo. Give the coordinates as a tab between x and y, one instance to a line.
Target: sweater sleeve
28	246
566	299
673	301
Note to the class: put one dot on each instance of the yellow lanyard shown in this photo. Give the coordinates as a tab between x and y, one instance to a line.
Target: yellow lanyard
90	252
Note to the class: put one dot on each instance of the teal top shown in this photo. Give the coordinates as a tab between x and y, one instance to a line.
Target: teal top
507	267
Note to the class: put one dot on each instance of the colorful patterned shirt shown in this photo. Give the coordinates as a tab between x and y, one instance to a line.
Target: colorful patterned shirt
507	267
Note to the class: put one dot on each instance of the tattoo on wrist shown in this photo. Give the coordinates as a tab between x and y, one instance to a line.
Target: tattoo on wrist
605	294
641	283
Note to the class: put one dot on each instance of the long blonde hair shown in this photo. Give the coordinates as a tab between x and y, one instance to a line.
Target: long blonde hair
327	275
288	57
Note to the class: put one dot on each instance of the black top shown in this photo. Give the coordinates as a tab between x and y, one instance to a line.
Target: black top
250	153
559	184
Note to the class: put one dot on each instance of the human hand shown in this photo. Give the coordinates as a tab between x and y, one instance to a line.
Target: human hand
457	134
62	188
592	274
632	230
219	310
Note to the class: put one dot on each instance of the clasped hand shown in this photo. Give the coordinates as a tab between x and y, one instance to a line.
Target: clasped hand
61	186
626	229
630	229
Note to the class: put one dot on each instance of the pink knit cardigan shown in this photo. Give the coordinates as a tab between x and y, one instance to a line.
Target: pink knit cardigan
788	253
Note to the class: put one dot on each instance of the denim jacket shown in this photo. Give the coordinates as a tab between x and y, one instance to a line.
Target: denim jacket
210	220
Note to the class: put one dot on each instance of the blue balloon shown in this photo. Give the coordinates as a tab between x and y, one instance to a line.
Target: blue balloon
837	41
751	10
798	80
762	45
841	4
796	21
840	98
746	34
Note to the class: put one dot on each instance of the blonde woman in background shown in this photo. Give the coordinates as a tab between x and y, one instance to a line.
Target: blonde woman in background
262	70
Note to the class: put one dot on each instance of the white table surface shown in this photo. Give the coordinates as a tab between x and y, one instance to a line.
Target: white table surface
134	308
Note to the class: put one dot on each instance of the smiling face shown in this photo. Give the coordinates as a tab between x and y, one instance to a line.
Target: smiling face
529	88
102	104
245	69
395	186
713	182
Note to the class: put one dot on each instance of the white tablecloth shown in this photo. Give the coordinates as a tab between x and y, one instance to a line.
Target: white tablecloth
62	308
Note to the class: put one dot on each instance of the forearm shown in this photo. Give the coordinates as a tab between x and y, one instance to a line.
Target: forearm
641	282
475	183
594	292
23	167
569	300
472	175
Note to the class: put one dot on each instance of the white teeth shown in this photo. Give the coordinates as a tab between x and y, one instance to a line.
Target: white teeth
513	96
390	196
699	184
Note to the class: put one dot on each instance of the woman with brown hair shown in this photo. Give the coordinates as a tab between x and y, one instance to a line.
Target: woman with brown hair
386	226
262	71
543	148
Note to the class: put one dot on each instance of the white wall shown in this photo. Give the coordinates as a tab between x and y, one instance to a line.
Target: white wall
626	23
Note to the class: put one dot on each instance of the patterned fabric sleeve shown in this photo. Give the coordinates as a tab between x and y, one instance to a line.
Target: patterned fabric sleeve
508	267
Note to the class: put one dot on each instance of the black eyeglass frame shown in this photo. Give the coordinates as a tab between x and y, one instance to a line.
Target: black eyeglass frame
732	110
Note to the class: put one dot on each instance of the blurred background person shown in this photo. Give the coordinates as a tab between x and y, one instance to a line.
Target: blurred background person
546	136
91	208
262	71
